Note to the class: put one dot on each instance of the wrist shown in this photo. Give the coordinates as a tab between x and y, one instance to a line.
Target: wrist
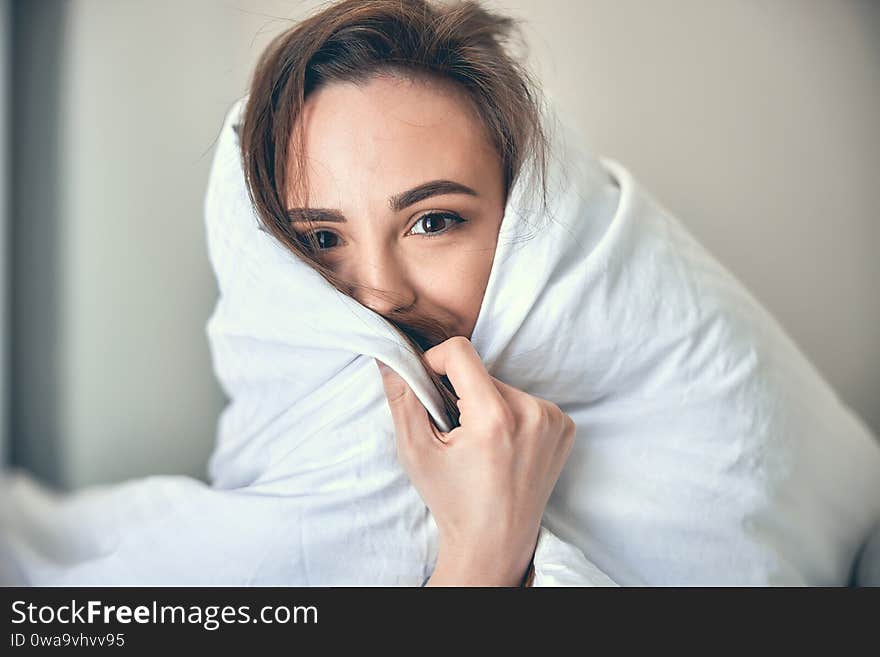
446	574
458	568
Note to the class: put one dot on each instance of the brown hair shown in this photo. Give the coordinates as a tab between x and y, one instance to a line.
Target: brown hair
352	41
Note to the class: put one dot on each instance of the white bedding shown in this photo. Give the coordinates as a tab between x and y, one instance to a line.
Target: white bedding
709	450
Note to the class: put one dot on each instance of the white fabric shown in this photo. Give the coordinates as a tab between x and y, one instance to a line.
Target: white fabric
709	451
558	563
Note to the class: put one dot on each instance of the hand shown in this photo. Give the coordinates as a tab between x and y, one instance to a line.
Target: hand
487	481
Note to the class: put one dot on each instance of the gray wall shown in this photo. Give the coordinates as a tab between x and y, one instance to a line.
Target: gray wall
36	390
754	121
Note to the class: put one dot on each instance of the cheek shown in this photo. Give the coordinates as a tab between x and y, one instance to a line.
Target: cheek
473	267
457	283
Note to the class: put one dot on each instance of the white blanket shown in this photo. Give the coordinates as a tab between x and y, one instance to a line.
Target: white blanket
709	451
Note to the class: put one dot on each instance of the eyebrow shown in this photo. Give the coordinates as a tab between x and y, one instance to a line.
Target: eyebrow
397	202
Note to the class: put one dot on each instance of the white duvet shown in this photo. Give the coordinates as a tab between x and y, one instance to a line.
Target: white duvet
708	450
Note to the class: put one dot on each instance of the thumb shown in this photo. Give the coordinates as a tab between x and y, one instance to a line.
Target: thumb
410	417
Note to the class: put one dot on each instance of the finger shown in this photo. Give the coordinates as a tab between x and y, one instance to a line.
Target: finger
458	360
410	417
521	402
508	392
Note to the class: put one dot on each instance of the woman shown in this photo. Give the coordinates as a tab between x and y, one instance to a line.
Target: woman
304	489
379	143
380	199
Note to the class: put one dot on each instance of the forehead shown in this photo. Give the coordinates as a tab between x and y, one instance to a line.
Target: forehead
373	139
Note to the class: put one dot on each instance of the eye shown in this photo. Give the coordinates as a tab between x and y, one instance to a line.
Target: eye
326	239
435	223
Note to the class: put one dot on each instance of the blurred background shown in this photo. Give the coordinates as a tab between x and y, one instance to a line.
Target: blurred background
756	122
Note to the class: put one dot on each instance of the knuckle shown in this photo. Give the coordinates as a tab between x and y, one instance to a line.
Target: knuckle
499	420
536	415
450	349
453	343
555	416
569	429
542	417
460	341
459	344
553	410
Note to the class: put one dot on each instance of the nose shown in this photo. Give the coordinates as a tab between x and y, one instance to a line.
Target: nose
382	284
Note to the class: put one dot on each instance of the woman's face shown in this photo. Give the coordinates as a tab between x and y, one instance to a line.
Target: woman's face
406	196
